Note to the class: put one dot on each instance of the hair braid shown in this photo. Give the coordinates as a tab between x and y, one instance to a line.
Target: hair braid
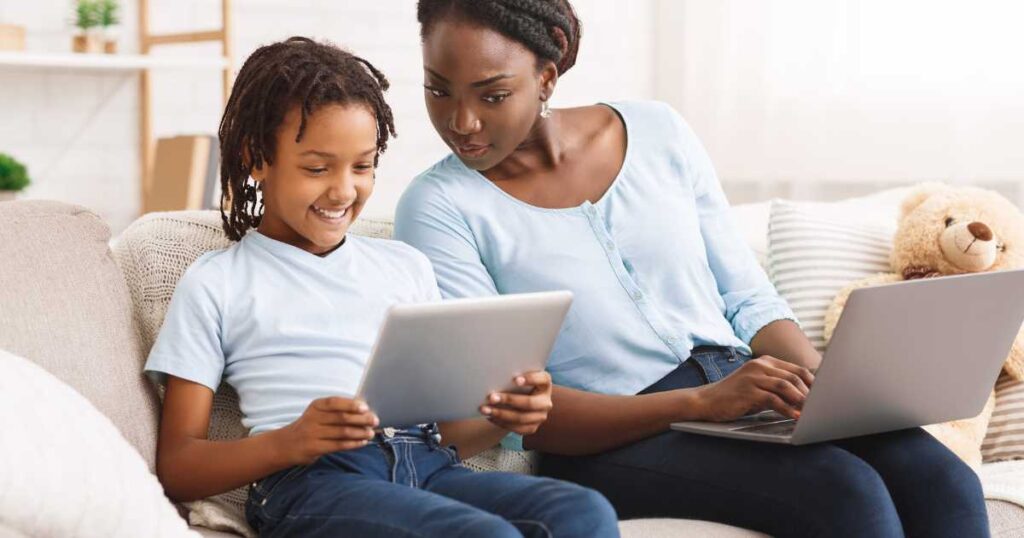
274	78
534	23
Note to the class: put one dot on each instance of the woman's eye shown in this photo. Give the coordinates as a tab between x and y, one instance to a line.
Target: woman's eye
495	99
436	92
949	221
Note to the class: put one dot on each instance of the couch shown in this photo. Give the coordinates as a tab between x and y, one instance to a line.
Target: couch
86	313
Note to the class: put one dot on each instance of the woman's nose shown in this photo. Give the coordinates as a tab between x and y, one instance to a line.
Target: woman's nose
463	121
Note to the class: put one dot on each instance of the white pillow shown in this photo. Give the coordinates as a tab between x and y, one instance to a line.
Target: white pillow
66	470
815	249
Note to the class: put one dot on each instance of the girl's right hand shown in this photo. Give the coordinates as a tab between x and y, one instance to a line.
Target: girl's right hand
760	384
327	425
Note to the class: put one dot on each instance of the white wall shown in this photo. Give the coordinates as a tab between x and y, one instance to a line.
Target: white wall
77	132
836	93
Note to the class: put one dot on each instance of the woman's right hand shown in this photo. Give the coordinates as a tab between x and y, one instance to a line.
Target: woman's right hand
327	425
760	384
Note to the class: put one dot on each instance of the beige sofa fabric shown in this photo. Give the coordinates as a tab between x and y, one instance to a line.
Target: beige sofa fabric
66	307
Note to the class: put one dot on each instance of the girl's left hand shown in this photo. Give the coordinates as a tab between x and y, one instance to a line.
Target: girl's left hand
522	413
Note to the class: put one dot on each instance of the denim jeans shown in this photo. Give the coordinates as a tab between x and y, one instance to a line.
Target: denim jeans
902	483
406	484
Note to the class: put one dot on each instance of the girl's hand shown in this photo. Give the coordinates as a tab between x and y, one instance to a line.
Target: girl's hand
327	425
760	384
521	413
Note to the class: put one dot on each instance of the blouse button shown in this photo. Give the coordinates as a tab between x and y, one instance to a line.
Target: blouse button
610	245
638	295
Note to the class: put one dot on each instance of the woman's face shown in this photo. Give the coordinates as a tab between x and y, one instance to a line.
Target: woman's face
483	91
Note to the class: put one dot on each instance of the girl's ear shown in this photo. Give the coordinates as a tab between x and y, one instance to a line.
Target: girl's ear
256	173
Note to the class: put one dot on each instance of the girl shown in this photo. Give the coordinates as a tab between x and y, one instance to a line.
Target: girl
288	315
672	320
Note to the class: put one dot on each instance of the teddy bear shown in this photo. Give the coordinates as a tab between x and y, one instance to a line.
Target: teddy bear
945	230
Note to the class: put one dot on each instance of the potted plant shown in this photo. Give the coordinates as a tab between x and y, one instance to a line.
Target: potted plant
13	177
109	19
87	20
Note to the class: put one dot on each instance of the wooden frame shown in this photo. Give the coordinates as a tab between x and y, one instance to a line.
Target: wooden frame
146	42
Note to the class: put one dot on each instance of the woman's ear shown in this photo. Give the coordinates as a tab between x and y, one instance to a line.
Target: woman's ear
548	80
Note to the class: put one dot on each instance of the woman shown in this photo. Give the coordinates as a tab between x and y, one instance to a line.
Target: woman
673	319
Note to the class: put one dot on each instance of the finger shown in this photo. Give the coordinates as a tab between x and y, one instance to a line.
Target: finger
338	433
772	401
349	419
522	402
782	388
337	403
539	379
514	417
793	379
806	375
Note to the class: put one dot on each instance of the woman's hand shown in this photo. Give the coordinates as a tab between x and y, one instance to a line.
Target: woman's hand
327	425
521	413
760	384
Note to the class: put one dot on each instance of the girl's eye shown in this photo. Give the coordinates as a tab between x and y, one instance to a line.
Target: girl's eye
364	167
495	99
949	221
316	171
436	92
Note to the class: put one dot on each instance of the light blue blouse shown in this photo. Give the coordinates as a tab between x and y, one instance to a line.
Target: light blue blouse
656	265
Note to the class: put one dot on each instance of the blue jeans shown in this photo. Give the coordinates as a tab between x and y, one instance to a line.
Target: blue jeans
405	484
902	483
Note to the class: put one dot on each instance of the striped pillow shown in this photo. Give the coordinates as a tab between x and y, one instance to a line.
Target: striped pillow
815	249
1004	439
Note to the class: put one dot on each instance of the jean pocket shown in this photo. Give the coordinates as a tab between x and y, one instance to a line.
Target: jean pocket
263	490
453	454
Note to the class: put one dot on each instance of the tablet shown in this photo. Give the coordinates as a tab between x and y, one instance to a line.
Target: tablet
438	361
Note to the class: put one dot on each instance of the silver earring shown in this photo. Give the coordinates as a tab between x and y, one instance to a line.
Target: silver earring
545	110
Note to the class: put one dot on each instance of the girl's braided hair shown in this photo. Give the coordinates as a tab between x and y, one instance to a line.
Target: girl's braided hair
298	71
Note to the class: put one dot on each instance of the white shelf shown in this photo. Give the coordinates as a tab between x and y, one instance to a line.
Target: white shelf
107	62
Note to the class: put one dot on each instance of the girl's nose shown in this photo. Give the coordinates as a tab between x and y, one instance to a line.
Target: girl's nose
342	192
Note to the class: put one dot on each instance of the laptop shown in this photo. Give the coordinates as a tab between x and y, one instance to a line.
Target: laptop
438	361
902	355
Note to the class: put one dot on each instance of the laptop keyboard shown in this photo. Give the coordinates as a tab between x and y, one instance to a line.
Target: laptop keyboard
778	427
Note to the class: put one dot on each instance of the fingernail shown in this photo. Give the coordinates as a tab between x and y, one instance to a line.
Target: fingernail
494	398
485	410
362	407
520	380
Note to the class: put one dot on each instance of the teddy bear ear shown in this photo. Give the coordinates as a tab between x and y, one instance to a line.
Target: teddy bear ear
917	197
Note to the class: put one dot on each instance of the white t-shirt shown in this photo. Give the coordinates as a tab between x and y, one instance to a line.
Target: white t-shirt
284	326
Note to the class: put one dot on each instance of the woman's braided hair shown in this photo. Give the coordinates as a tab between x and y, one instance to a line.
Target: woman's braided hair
298	71
549	28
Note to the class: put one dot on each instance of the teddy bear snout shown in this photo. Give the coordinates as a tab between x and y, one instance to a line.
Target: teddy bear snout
980	231
969	246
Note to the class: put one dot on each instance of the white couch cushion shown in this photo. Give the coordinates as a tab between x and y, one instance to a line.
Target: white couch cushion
66	469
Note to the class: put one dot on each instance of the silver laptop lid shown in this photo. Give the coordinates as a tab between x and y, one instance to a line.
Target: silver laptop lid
914	353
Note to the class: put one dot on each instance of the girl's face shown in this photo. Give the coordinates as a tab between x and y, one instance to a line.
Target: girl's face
483	91
316	188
